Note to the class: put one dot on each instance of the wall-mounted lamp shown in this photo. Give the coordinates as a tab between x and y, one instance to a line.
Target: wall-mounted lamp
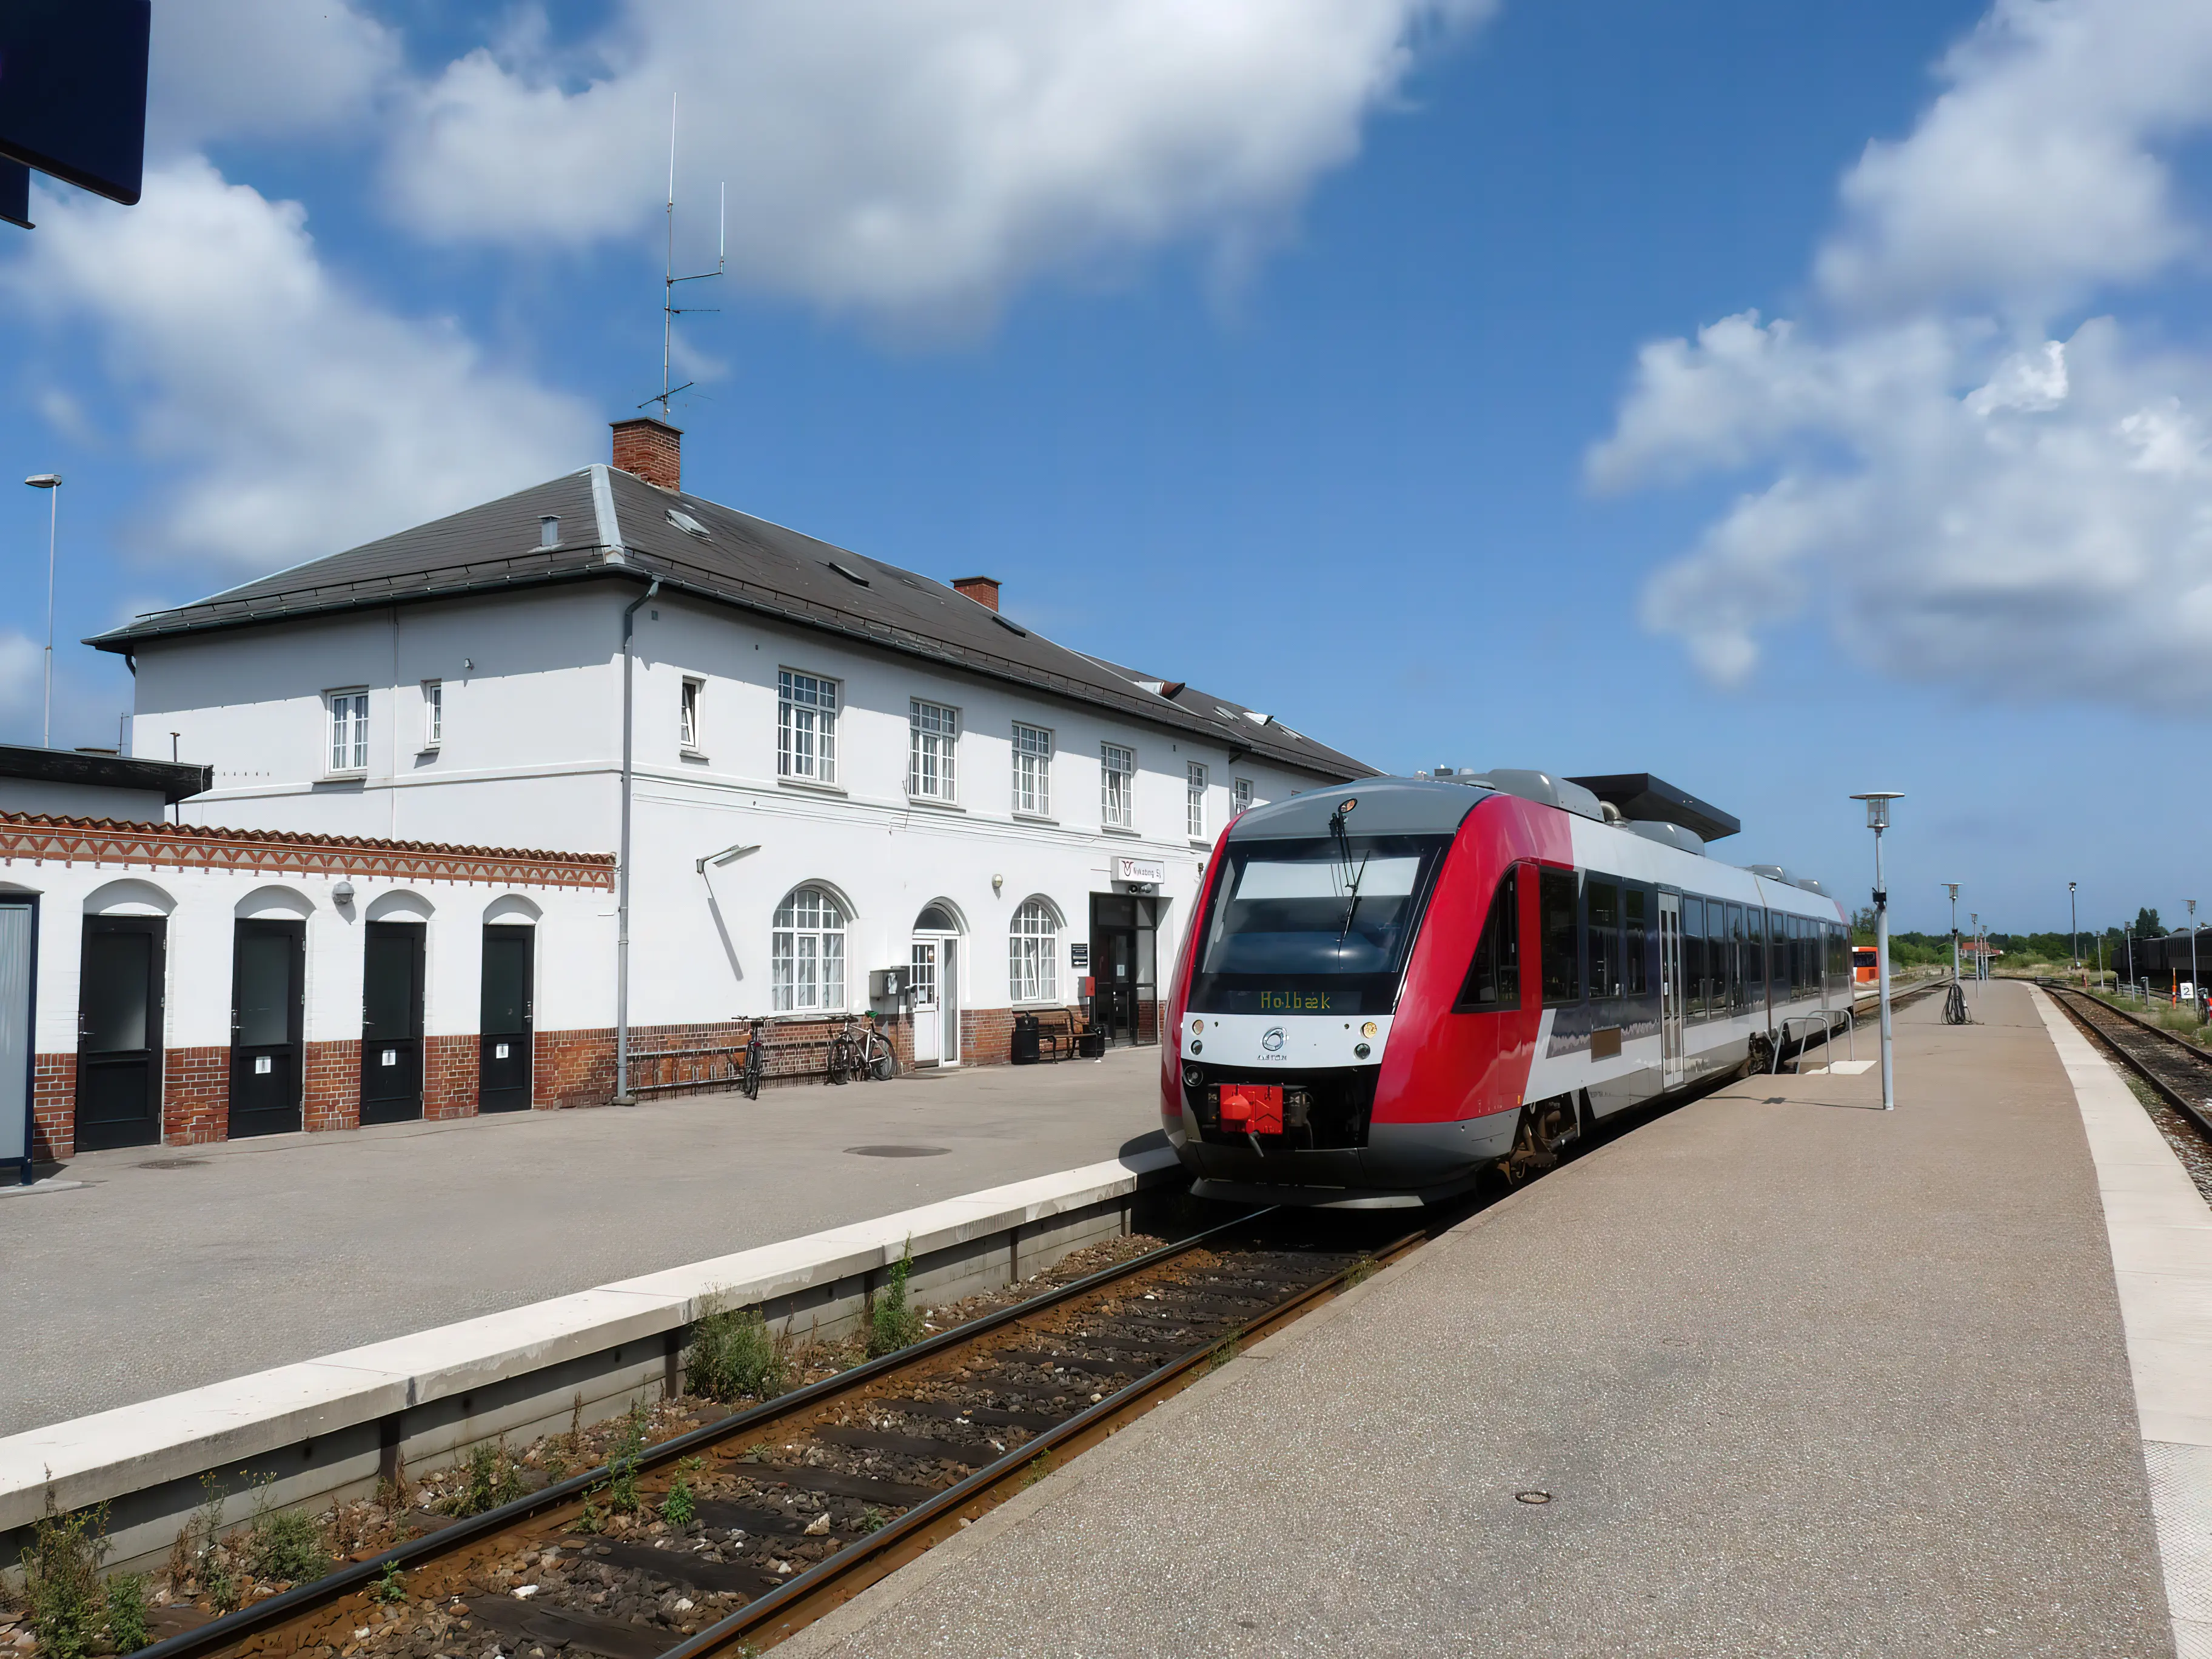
342	893
467	667
727	855
997	884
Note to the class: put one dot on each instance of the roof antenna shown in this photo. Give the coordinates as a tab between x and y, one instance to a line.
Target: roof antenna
670	311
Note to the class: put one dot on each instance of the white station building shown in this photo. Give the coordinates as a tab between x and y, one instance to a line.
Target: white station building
814	783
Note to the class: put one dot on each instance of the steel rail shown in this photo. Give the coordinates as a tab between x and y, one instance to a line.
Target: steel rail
283	1609
2198	1112
843	1576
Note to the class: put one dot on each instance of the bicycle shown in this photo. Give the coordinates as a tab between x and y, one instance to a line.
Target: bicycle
865	1054
879	1059
755	1062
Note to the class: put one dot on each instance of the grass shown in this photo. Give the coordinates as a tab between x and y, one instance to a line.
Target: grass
390	1587
1038	1470
126	1612
622	1466
893	1324
734	1355
1362	1269
1222	1355
681	1507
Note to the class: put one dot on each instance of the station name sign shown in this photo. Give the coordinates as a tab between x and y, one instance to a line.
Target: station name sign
1150	870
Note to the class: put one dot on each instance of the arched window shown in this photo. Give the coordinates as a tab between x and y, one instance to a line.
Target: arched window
807	952
1033	954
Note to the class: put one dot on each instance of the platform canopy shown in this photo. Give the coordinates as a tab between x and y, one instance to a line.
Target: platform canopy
1646	800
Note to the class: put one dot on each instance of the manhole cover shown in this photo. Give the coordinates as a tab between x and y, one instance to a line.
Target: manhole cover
1533	1496
898	1152
172	1163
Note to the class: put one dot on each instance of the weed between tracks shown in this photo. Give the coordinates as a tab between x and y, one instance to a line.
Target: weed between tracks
67	1611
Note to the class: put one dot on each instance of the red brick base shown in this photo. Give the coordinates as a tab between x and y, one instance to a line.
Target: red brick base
195	1096
53	1107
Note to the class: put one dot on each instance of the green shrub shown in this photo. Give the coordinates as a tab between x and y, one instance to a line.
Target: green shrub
61	1581
622	1466
681	1507
492	1479
126	1612
892	1324
283	1544
734	1355
389	1586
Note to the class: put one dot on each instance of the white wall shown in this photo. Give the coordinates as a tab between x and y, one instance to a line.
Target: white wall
531	753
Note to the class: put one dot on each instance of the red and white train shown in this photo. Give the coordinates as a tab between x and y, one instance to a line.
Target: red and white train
1388	988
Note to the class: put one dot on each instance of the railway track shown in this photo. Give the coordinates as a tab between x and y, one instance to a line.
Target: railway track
800	1502
2180	1073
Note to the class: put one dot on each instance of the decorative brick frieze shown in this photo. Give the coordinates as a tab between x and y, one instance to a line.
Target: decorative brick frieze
39	838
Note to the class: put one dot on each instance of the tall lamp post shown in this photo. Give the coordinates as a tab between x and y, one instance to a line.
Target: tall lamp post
1877	808
1954	886
2073	926
52	484
2196	985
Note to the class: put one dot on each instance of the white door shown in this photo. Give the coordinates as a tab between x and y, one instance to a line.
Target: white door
1670	990
927	1027
948	1002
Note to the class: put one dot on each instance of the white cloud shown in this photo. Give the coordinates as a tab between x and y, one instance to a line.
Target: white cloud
261	70
300	418
1957	493
21	674
915	158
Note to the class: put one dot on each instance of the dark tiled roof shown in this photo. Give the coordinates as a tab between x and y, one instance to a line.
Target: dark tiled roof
616	525
174	779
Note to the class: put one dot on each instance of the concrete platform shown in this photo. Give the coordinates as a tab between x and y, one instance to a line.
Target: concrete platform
1801	1376
163	1268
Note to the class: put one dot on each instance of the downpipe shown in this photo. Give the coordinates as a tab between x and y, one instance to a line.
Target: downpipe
622	1096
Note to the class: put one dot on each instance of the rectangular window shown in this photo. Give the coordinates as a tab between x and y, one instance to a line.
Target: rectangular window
1194	801
1755	957
434	713
805	726
1738	948
936	735
687	716
1635	930
1493	979
1603	901
1241	795
1555	923
1117	792
349	731
1694	956
1032	769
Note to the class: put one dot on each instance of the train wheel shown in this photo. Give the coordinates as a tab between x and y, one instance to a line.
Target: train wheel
1544	1127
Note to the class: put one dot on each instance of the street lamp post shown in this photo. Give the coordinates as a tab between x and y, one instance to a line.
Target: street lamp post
2196	985
2073	926
1877	805
1954	886
51	483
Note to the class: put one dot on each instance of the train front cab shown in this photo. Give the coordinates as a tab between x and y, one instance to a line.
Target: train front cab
1319	1055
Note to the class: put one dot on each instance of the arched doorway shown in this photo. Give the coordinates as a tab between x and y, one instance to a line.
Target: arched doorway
936	960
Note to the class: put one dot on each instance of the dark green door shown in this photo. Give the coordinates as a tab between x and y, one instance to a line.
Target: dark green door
503	1059
391	1022
268	972
119	1033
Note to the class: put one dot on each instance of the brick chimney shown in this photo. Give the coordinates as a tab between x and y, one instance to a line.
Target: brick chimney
651	448
984	589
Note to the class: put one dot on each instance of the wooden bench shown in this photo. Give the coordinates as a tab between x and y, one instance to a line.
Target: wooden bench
1058	1035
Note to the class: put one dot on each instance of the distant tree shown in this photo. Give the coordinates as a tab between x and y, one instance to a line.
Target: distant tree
2147	924
1863	925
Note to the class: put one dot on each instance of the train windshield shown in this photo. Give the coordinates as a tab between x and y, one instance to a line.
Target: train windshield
1314	926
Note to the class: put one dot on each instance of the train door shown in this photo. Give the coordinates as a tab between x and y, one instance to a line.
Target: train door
268	975
119	1033
1670	990
391	1022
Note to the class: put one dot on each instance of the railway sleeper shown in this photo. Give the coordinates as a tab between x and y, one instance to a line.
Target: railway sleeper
991	1416
906	1445
555	1627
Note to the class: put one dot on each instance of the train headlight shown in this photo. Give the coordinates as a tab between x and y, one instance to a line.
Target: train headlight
1196	1026
1359	1051
1369	1028
1193	1077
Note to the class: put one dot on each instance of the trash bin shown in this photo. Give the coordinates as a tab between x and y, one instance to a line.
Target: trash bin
1025	1040
1090	1043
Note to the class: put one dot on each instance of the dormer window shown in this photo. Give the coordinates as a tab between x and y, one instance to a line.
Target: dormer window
549	531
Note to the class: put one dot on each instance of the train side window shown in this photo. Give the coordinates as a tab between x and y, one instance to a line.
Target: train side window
1840	959
1555	920
1739	948
1493	979
1693	956
1602	901
1635	933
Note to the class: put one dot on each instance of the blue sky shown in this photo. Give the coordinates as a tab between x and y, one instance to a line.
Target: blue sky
1318	355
